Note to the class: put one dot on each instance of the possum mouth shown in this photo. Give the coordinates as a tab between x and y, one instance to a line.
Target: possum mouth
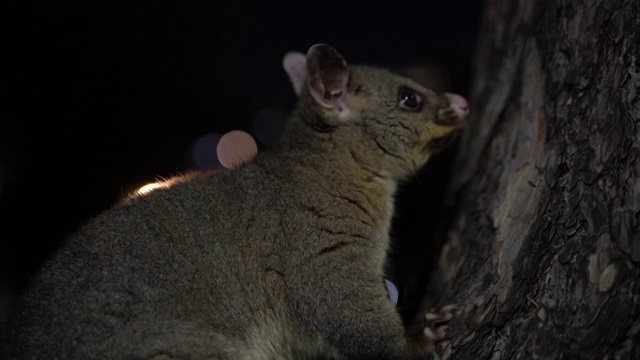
441	143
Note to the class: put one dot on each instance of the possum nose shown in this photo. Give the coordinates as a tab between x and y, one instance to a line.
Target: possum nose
459	105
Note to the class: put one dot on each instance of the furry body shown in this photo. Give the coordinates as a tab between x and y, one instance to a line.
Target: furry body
279	258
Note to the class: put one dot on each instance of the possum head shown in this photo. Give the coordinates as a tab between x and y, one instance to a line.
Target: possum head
388	123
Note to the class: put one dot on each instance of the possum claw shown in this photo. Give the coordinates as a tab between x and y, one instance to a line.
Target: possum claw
435	320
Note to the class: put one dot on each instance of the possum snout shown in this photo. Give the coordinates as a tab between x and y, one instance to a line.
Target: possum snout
455	113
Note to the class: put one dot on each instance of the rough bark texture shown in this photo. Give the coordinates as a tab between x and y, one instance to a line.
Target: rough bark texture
543	251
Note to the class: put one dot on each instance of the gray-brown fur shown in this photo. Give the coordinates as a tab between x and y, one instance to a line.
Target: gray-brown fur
281	258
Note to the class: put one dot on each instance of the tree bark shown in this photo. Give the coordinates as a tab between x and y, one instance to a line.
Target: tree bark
542	253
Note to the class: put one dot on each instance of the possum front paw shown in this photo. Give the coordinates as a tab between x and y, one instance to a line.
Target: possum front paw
435	321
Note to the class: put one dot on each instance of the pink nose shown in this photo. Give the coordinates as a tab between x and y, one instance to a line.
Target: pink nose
459	105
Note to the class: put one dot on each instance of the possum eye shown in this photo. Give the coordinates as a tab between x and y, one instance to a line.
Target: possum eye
409	99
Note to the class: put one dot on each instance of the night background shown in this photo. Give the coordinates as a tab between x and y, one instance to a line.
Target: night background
103	97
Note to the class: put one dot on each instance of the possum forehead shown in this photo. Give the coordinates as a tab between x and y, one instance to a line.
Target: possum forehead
368	84
363	78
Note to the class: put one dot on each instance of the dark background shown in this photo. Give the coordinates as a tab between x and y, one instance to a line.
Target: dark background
102	97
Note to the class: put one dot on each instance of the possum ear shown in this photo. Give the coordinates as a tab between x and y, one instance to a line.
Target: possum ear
295	65
327	78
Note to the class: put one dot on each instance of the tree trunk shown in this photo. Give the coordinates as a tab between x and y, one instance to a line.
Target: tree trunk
542	253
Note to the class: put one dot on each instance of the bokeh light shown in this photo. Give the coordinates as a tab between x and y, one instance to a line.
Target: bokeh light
204	152
235	148
392	290
269	124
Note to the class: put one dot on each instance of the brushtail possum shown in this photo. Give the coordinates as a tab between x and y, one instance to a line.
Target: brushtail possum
280	258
